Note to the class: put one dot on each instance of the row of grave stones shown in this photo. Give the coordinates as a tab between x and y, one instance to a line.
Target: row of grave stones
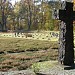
46	36
52	35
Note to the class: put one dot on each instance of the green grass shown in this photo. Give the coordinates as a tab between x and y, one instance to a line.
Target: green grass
10	44
19	54
36	67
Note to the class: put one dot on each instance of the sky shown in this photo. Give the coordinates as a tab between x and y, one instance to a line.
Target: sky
13	1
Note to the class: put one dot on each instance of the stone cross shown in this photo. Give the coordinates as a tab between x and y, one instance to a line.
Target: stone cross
66	45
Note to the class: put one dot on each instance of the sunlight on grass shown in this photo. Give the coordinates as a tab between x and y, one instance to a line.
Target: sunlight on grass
36	67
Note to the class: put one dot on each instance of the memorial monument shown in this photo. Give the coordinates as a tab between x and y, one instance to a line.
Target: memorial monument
66	45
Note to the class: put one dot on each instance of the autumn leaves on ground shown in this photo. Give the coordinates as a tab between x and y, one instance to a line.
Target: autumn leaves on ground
20	54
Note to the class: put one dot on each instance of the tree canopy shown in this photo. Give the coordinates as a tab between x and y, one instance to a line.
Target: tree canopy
28	15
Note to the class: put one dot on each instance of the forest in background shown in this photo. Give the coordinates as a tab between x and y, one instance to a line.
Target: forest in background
28	15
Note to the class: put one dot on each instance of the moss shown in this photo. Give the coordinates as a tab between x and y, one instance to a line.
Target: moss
36	67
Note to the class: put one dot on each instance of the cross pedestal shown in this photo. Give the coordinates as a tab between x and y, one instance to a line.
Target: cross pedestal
66	45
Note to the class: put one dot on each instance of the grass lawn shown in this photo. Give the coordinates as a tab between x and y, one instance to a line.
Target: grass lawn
19	54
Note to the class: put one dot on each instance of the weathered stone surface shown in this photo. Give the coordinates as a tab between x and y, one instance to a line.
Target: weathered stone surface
57	70
23	72
66	45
